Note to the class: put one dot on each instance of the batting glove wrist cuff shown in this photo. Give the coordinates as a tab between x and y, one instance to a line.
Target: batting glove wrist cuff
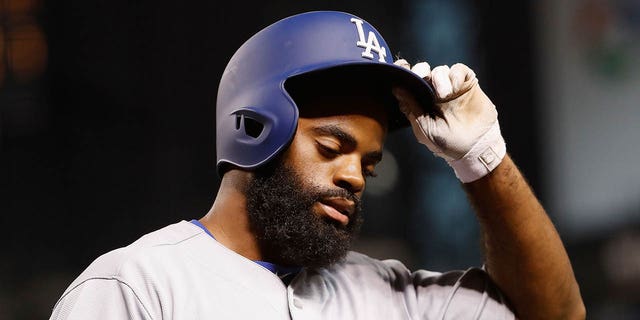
483	157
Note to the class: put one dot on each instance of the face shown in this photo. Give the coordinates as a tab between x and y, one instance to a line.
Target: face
339	150
305	207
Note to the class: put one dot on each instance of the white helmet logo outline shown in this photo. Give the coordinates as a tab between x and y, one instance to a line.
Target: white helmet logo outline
371	43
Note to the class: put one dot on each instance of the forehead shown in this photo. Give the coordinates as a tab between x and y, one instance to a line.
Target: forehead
356	122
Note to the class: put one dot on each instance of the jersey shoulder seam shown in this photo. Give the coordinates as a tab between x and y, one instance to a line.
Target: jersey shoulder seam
113	278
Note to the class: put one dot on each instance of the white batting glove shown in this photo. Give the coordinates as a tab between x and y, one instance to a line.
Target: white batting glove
464	128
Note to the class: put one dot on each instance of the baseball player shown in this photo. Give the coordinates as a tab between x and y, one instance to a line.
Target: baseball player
303	109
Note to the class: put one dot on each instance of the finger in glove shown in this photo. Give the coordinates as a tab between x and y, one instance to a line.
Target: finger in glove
441	82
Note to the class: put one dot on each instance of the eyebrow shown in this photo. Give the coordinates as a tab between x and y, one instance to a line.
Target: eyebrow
348	139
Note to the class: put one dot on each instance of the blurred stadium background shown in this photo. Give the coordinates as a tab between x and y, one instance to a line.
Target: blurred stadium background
107	131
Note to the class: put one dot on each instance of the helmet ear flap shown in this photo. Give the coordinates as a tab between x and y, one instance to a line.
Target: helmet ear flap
252	127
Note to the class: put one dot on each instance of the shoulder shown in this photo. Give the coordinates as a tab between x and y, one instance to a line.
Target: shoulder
139	267
148	249
176	272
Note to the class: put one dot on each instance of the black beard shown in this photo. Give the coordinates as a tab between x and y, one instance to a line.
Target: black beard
289	233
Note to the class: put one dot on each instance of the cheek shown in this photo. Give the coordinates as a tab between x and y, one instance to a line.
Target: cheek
308	163
315	170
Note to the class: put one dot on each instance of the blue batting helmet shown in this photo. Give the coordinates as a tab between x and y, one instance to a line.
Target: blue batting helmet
255	116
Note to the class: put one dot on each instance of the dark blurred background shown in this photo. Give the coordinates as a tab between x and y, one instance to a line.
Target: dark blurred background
107	113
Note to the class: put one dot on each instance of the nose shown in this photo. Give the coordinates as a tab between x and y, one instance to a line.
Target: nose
348	175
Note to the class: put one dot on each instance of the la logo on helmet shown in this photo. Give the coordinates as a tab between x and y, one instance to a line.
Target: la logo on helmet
371	43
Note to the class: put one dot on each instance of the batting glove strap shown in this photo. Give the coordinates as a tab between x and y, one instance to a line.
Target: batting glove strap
483	157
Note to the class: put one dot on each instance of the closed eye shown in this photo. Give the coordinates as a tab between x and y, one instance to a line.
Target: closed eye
330	152
327	151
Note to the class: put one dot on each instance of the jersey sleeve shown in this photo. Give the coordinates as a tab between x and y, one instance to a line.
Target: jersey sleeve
100	298
469	294
361	287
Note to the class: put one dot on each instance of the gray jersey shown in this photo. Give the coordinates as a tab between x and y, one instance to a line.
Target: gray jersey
180	272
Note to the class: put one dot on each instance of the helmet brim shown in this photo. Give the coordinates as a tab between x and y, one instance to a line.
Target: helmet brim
387	76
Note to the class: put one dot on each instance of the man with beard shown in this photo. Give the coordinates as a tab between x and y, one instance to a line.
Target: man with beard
302	113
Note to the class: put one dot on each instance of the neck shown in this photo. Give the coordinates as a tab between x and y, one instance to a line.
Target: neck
228	220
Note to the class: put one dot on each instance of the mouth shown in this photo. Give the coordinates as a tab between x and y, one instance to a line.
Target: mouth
338	209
